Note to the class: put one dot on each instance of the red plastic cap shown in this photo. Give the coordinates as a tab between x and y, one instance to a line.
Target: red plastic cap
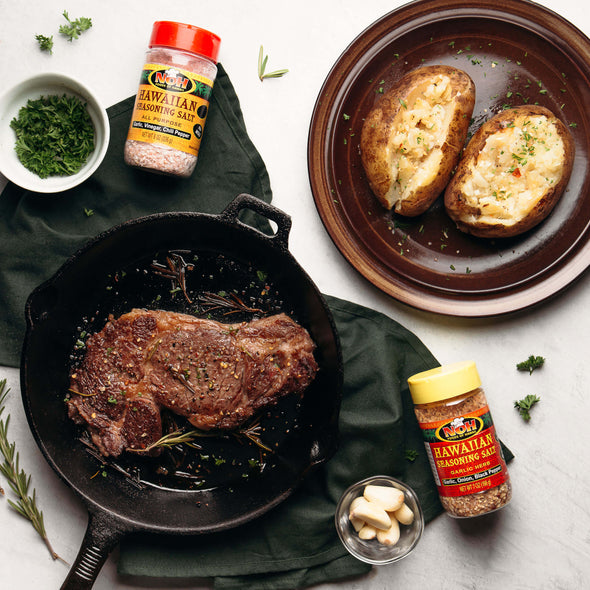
186	37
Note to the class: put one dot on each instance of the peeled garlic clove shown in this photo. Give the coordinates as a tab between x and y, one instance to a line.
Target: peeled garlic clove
389	536
387	497
404	514
367	533
357	523
358	500
372	514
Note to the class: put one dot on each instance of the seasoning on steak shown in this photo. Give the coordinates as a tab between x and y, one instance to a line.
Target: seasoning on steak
216	375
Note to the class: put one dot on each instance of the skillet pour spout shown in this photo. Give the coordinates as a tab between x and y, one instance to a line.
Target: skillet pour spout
110	276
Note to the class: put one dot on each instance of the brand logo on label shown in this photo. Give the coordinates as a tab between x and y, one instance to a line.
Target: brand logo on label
459	429
171	80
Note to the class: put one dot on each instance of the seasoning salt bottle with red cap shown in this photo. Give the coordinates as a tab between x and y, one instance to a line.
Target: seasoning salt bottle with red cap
172	102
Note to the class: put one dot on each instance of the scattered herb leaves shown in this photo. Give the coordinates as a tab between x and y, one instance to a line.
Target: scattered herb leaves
262	61
524	406
74	28
411	454
45	43
532	363
54	135
71	31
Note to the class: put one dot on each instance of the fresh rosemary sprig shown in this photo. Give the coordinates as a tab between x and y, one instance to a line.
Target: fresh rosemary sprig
171	440
18	480
252	433
178	437
94	452
262	61
175	270
215	301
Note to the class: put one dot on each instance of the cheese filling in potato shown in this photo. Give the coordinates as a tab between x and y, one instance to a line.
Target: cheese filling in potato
412	138
420	133
515	168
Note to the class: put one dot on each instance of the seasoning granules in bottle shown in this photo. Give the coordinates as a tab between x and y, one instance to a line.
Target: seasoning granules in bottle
460	439
173	99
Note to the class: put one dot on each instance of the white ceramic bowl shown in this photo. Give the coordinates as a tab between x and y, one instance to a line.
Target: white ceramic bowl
33	88
373	551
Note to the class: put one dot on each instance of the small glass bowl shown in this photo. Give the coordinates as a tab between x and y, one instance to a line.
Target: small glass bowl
373	551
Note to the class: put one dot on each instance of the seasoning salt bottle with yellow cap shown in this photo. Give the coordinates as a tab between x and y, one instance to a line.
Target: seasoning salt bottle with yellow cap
460	439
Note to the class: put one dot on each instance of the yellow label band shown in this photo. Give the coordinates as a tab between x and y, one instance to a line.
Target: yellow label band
170	108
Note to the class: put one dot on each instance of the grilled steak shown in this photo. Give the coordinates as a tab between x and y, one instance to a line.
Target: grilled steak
216	375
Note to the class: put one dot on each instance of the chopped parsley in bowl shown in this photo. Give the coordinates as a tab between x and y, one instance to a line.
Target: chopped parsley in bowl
54	133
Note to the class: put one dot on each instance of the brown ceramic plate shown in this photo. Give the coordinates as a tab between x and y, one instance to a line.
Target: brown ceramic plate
516	52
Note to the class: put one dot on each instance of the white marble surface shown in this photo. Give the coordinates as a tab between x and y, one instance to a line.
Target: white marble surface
542	539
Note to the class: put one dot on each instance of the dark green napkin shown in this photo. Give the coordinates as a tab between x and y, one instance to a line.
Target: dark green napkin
295	545
39	232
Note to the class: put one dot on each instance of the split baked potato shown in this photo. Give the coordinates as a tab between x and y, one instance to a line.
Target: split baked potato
412	139
512	173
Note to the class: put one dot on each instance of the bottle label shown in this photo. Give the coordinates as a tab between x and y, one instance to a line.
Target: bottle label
170	108
464	453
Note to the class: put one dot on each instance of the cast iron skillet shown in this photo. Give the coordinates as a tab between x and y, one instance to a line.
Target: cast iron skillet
107	276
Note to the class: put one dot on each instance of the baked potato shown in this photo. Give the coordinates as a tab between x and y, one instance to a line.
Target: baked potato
412	139
512	174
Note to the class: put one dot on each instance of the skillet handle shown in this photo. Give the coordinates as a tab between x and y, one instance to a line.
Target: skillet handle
102	535
246	201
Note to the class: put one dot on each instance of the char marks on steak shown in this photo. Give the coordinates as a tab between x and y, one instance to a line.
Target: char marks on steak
215	375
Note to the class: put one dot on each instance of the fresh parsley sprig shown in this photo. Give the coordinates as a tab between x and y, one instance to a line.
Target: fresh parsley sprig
18	480
411	455
74	28
532	363
45	43
262	61
524	406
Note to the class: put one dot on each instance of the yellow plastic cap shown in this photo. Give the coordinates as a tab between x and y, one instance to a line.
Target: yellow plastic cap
444	382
